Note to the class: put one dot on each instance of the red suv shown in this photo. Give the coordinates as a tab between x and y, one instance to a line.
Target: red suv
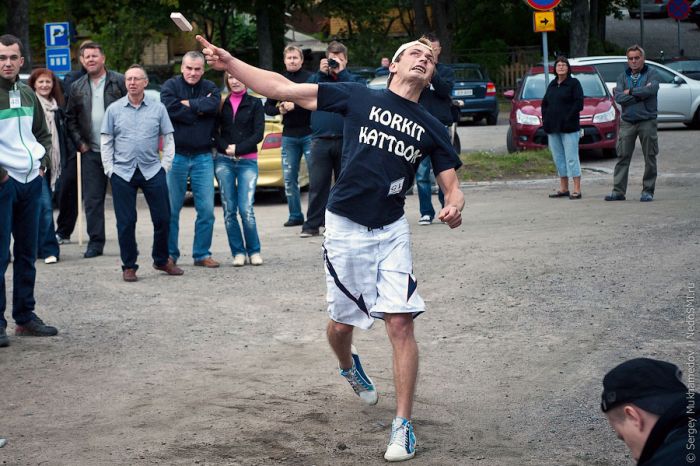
600	117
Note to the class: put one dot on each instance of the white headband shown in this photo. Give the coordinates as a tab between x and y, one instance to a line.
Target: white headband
407	45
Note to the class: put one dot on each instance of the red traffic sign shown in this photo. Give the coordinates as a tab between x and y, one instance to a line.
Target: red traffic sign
678	9
543	5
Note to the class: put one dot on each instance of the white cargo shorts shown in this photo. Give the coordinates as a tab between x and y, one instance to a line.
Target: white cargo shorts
369	272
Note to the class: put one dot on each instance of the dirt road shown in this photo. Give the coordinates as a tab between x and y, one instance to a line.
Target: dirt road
529	303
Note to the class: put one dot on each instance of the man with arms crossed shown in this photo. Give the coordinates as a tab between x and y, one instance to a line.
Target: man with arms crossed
636	92
130	134
192	104
367	249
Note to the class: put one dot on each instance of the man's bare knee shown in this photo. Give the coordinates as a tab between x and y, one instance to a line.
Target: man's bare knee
399	326
339	329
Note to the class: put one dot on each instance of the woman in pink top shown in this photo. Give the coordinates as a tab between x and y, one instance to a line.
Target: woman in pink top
239	129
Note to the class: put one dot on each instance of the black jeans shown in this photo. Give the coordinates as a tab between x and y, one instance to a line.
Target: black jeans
67	194
324	167
155	191
94	190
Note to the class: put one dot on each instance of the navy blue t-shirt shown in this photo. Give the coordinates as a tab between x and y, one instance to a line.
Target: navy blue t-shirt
385	137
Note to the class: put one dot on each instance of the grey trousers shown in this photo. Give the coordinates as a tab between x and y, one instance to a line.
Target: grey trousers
646	131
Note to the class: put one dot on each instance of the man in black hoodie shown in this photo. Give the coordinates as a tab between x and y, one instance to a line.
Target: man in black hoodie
192	104
652	411
296	134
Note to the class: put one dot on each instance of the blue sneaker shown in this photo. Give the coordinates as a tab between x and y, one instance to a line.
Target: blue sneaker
402	444
359	381
646	197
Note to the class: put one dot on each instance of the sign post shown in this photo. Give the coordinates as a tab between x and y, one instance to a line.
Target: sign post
57	41
678	10
543	21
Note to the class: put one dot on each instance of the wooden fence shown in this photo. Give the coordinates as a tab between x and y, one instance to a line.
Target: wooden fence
508	76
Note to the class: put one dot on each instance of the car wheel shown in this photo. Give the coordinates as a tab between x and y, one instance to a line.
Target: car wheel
457	144
695	124
491	119
510	143
610	153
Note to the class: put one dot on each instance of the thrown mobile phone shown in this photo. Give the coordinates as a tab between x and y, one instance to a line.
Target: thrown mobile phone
181	21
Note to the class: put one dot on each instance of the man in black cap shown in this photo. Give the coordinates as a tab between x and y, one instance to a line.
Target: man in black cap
648	406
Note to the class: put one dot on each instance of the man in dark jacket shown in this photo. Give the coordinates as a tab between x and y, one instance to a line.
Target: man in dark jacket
437	100
636	91
652	411
89	97
296	134
192	103
326	139
24	142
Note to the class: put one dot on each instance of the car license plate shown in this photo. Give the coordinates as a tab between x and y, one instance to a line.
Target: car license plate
464	92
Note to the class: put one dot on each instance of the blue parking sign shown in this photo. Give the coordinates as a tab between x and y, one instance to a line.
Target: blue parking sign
58	59
56	35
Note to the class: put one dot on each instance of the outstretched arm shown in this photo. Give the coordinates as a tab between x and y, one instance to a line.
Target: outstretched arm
264	82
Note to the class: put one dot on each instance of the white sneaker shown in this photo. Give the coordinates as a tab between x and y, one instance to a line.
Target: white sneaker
402	444
51	260
425	220
239	260
256	259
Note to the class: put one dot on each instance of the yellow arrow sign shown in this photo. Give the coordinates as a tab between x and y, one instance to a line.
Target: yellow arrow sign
543	21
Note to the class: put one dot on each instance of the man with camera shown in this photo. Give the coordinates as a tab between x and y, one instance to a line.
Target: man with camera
326	139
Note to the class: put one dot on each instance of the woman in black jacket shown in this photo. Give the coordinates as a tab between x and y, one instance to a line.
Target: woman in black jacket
48	90
561	106
239	129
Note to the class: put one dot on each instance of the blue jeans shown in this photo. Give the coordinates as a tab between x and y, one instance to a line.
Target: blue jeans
124	193
425	189
200	170
48	245
19	217
292	150
564	148
237	180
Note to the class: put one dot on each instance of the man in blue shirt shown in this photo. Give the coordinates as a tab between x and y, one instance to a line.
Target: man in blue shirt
130	132
367	239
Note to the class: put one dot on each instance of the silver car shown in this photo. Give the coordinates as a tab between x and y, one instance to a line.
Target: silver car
679	96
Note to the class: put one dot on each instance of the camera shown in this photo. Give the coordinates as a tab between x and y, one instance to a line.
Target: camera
332	64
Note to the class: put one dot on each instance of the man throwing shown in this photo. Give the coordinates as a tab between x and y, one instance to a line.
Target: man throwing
367	245
130	133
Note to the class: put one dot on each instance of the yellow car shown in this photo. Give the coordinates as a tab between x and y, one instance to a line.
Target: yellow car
270	173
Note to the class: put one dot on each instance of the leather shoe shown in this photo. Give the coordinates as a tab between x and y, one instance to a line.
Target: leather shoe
35	328
90	253
169	267
129	275
615	197
208	263
293	223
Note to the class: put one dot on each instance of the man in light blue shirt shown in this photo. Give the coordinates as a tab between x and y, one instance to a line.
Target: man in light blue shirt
129	143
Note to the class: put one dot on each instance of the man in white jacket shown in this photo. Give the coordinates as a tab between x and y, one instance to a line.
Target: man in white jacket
24	141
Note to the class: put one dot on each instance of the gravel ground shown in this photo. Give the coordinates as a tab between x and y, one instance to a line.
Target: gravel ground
529	303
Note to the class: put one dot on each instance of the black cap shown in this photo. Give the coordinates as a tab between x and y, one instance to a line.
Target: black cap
648	383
